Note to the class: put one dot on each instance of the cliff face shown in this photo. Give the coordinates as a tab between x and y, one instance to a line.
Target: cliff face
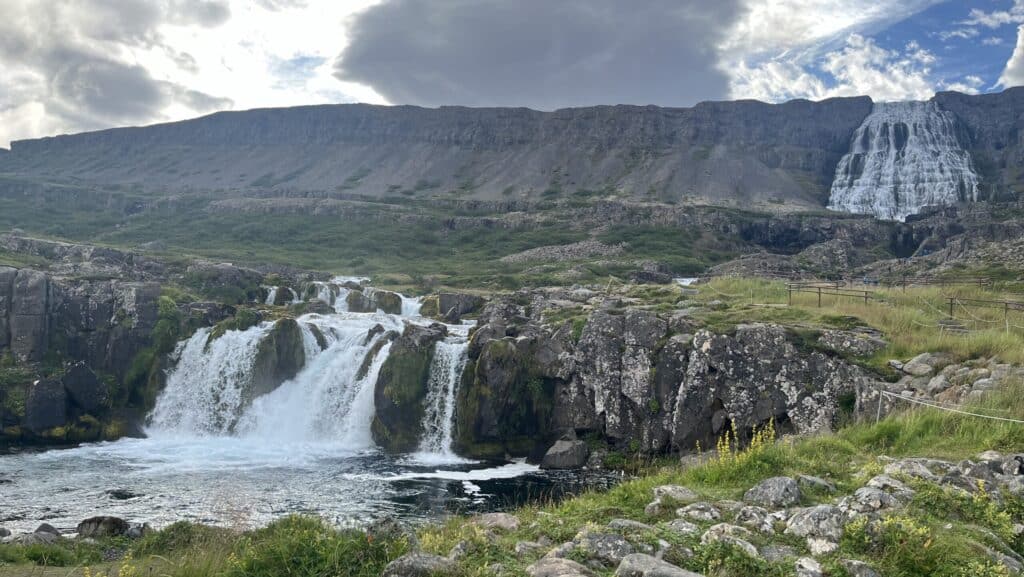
714	151
994	126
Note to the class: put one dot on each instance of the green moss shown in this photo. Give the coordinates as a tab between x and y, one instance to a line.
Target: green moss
244	319
400	390
430	307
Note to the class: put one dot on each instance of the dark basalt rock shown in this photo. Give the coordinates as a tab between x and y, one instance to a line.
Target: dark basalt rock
402	386
46	406
84	388
102	527
279	357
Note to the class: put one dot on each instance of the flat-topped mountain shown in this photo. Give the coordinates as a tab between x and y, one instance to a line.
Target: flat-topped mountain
747	153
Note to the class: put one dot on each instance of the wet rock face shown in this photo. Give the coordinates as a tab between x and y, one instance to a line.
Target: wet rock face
756	376
402	386
280	356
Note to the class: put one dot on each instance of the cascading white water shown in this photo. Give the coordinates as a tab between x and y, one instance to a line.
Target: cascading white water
445	373
411	306
904	156
332	397
271	295
330	400
205	391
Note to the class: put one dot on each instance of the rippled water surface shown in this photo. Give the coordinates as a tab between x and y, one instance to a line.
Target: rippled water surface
243	483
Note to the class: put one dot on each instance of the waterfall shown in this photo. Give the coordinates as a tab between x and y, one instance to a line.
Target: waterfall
204	392
450	356
411	306
271	295
330	400
332	397
903	157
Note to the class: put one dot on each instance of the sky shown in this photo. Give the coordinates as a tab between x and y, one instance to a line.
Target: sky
75	65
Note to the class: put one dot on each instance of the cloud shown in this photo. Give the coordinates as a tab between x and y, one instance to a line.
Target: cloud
540	53
859	67
996	18
1013	74
72	66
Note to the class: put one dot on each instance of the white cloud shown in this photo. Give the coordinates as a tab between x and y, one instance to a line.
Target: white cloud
997	18
860	67
72	65
970	84
1013	74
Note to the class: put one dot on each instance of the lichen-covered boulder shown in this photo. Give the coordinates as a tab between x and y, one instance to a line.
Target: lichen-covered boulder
420	565
401	388
774	492
640	565
387	301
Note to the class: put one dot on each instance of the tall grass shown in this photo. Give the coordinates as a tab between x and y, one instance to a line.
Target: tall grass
909	320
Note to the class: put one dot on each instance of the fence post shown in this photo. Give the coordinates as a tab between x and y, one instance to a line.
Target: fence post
950	307
790	295
819	297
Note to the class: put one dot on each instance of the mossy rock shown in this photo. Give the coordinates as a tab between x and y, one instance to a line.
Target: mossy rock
359	303
388	302
504	401
429	307
244	319
402	387
279	357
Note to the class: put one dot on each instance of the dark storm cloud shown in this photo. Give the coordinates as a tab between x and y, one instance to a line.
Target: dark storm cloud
540	53
73	51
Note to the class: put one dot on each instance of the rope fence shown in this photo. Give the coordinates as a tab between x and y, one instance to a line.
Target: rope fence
937	405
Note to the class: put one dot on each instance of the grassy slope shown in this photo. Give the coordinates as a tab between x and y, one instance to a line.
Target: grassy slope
913	542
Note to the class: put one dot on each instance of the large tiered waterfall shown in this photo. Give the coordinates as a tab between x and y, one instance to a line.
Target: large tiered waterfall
904	156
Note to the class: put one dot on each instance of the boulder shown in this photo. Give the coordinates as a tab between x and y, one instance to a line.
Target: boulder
460	303
4	533
46	406
859	568
640	565
566	454
420	565
675	493
700	512
558	567
774	492
808	567
84	388
501	521
821	521
358	302
607	549
47	528
387	301
682	527
104	526
922	365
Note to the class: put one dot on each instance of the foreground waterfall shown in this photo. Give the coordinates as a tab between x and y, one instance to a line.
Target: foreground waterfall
450	357
206	391
905	156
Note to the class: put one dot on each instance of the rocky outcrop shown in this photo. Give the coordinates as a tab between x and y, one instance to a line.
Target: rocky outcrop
402	386
756	376
640	381
279	357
